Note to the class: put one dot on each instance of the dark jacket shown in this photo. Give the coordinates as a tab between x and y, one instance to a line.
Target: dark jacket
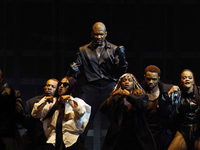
11	114
163	100
33	125
115	112
33	138
11	111
165	129
111	64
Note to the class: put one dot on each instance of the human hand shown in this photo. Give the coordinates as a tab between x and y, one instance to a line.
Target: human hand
63	98
120	51
117	92
121	92
70	100
125	93
74	67
173	90
49	99
137	92
73	103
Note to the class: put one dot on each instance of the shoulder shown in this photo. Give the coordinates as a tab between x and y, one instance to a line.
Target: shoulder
166	87
112	46
6	90
9	91
81	102
34	99
86	46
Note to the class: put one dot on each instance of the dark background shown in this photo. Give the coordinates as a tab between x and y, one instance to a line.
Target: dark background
39	38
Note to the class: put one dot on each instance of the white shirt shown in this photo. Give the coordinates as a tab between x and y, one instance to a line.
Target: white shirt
73	124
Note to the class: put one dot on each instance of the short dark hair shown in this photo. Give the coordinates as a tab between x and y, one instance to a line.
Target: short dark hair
152	68
53	79
73	88
187	70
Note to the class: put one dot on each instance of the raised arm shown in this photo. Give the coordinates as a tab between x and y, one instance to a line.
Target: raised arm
76	104
123	64
41	108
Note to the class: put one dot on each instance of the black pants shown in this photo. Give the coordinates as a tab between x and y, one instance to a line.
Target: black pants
94	93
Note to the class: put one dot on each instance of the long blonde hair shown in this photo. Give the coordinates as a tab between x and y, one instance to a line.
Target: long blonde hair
137	88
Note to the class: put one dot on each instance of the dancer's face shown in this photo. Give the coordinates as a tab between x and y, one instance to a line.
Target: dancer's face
63	86
99	34
187	80
127	83
151	79
50	87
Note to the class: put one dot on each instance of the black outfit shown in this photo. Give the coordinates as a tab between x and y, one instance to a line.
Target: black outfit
128	129
158	118
33	138
11	114
100	74
186	117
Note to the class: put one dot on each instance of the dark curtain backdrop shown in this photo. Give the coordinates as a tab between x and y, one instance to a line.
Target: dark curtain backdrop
39	38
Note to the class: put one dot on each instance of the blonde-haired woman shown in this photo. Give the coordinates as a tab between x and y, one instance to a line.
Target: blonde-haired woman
125	110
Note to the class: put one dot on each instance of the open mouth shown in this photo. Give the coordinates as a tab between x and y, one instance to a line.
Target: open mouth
98	41
187	83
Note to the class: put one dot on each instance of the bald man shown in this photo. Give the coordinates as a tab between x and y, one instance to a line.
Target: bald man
100	63
33	138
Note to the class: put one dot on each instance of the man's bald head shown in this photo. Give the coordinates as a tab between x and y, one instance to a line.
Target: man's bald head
99	33
99	26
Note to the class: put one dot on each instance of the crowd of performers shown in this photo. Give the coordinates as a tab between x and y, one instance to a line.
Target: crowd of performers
150	115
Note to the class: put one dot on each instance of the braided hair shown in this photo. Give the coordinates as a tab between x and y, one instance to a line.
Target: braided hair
137	88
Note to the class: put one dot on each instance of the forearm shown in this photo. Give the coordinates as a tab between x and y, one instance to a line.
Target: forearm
140	102
108	100
78	106
38	107
122	57
74	67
